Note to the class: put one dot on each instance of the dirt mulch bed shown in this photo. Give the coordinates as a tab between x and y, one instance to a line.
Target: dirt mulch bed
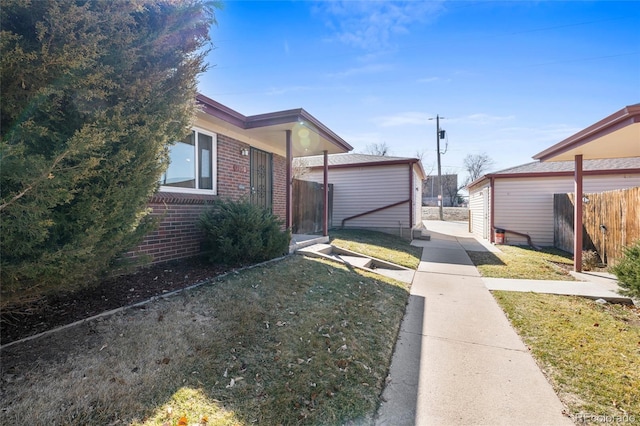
49	312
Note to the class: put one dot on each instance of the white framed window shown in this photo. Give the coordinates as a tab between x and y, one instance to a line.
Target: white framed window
192	164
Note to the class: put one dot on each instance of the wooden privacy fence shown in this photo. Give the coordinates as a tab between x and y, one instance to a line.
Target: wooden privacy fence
611	221
308	206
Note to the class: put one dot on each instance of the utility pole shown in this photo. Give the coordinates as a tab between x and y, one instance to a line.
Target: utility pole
439	135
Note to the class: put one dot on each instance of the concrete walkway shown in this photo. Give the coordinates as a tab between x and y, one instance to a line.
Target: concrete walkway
457	360
589	290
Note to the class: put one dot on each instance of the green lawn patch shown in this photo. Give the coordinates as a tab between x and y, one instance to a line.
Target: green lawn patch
297	341
590	352
378	244
524	263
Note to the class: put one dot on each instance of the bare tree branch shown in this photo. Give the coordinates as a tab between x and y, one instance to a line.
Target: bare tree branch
378	149
300	168
477	165
420	154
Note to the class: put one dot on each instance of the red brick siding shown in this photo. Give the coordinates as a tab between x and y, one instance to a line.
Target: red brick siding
279	186
178	235
233	169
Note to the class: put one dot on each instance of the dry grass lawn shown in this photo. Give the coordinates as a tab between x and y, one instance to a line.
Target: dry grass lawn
523	263
297	341
590	352
377	244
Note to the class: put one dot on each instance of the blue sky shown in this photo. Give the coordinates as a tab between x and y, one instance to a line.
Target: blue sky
511	78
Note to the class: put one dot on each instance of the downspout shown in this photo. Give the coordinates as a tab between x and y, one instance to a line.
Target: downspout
288	202
325	209
527	236
492	198
373	211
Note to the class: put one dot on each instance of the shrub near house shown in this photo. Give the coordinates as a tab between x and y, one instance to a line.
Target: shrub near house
239	232
628	270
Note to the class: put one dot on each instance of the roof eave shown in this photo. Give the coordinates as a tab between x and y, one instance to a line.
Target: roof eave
620	119
270	120
293	116
478	181
216	109
604	172
372	164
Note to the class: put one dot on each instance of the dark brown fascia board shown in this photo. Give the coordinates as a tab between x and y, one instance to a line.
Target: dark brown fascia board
608	172
274	118
625	117
478	181
410	161
296	116
216	109
372	164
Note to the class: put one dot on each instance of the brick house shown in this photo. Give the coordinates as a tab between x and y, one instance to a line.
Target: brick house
232	156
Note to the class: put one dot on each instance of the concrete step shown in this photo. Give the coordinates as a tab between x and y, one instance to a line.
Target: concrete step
358	260
421	234
301	241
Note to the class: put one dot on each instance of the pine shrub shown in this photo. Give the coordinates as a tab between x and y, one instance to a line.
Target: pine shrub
628	270
93	93
238	232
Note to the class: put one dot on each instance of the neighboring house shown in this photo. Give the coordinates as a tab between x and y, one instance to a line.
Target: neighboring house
615	136
231	156
431	190
520	199
370	191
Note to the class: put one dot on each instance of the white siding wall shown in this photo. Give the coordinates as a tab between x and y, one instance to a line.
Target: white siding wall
417	197
360	189
526	204
480	218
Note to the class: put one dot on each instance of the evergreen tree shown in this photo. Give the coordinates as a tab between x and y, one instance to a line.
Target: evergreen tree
93	92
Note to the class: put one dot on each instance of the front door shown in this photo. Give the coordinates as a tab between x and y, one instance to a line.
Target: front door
261	178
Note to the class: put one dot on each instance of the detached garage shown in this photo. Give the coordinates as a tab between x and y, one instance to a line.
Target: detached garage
370	191
520	199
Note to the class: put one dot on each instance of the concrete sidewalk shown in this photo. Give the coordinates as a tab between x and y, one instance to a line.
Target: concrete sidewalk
457	360
590	290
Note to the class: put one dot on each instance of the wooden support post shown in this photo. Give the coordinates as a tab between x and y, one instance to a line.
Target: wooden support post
325	211
289	174
577	215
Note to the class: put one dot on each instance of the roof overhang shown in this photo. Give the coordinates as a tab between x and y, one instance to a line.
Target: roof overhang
478	181
611	172
411	161
616	136
268	131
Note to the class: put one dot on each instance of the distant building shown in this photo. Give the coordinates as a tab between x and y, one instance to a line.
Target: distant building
521	198
431	189
371	191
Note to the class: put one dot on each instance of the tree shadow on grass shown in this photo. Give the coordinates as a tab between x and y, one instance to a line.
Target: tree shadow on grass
294	342
480	258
